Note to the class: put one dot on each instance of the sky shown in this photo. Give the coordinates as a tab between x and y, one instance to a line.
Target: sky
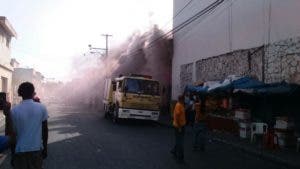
52	32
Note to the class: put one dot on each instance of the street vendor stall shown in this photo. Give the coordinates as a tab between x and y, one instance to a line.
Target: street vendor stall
264	102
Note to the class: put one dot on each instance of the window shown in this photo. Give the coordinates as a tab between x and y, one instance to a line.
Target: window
120	84
146	87
8	41
4	84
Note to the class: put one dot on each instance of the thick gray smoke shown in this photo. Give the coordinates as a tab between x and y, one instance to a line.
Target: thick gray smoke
137	55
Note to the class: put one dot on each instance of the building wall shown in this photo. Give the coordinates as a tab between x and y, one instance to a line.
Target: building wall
5	67
240	62
6	74
283	61
233	26
21	75
4	48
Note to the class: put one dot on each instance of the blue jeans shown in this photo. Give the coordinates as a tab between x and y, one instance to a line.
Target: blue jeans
200	130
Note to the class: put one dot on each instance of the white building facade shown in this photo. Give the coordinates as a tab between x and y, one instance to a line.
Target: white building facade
6	34
242	37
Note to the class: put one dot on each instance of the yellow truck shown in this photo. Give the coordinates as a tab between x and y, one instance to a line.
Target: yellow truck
132	97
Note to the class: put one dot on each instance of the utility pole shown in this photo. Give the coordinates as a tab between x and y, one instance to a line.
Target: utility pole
106	48
106	41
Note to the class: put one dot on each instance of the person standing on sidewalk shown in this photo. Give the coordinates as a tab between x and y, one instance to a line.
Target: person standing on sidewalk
29	120
200	127
179	122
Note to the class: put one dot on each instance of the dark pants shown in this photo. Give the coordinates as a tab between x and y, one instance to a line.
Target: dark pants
28	160
200	135
190	117
4	143
178	149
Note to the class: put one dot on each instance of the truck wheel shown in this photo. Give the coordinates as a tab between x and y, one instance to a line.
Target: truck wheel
116	114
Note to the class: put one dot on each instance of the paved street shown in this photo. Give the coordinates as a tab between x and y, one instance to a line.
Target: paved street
81	139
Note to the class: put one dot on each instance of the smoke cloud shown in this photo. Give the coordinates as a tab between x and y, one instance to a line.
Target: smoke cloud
137	55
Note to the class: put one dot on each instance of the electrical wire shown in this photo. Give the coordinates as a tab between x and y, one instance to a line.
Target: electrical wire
179	12
182	25
218	14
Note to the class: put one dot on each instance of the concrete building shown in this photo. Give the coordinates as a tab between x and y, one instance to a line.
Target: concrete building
241	37
14	63
21	75
6	34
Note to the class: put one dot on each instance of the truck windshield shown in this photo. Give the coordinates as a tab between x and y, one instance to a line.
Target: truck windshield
139	86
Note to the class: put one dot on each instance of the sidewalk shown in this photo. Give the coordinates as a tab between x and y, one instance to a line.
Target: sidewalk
287	157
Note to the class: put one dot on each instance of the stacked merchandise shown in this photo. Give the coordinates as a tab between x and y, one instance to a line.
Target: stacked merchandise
243	117
284	129
211	104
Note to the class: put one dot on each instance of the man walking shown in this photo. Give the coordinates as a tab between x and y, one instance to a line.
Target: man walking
179	122
29	120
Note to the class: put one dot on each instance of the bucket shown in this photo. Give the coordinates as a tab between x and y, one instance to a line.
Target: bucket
244	130
281	139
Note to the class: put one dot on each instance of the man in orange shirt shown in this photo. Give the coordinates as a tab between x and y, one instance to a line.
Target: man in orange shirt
179	122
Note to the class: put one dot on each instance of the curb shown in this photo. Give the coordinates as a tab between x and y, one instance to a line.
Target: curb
260	154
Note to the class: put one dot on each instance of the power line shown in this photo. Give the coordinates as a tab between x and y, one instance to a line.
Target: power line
183	24
205	12
178	13
187	4
106	42
218	14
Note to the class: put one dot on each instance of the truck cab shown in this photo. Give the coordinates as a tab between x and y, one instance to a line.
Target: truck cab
134	97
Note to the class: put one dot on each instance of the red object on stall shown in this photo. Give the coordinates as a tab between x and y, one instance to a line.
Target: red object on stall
225	103
270	140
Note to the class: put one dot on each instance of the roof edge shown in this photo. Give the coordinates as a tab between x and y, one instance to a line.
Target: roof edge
7	26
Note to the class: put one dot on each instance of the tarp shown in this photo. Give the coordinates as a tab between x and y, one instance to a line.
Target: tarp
196	89
245	85
278	88
241	83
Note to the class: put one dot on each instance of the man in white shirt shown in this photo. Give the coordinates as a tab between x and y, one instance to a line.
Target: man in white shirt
29	120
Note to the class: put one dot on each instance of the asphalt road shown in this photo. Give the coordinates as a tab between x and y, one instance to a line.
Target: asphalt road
84	139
